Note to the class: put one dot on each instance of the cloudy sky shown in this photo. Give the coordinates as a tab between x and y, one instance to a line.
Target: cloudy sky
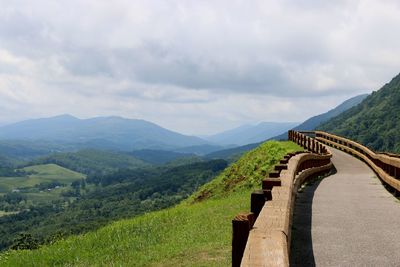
197	67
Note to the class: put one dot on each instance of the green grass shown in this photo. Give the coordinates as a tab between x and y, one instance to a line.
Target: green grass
45	196
4	213
43	173
51	172
194	233
247	172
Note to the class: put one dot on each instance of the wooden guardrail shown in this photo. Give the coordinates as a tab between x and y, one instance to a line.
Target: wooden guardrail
385	165
262	237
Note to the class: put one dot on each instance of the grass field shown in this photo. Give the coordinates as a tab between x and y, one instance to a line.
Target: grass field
3	213
196	232
43	173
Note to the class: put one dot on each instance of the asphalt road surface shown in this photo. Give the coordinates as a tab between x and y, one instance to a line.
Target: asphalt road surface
346	219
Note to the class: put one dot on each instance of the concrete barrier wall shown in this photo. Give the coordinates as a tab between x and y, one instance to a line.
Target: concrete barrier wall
266	230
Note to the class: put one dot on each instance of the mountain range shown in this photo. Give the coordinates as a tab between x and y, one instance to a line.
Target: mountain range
38	137
375	122
313	122
101	133
310	124
248	134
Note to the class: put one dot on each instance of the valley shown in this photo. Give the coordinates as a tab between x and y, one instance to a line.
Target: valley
49	202
63	202
173	236
199	133
41	184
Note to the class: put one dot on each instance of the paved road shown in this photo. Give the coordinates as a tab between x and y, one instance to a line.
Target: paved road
347	219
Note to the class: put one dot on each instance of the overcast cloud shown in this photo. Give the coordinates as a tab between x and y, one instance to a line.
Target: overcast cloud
193	66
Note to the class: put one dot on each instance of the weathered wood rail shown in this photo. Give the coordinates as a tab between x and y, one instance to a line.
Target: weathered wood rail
385	165
262	236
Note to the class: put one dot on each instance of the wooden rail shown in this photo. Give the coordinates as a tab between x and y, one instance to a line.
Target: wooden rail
262	236
385	165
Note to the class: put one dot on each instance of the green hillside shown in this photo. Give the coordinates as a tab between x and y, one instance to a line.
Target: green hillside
313	122
40	174
196	232
91	203
33	186
374	122
159	156
51	172
92	161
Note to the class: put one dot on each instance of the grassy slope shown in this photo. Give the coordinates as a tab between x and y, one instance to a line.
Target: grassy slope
194	233
43	173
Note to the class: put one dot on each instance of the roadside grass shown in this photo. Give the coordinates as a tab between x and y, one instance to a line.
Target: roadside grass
246	173
196	232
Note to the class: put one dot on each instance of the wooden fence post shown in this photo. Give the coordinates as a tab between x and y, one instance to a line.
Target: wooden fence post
257	202
241	226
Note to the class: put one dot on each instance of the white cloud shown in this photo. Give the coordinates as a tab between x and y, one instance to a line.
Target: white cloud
193	66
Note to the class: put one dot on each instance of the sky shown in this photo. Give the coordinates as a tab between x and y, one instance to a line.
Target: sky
196	67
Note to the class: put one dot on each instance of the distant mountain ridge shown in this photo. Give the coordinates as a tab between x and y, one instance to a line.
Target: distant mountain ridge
100	132
159	156
375	122
313	122
310	124
91	161
231	154
249	134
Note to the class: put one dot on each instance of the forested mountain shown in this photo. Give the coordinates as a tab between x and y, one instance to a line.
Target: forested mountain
375	122
101	132
201	149
249	134
231	154
158	156
313	122
14	151
92	161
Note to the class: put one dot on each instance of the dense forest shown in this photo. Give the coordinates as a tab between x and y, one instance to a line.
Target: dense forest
102	198
374	122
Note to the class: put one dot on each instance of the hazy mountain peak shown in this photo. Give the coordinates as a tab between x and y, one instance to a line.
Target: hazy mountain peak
111	132
313	122
63	117
248	134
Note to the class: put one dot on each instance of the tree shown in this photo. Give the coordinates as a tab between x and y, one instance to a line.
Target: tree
25	241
